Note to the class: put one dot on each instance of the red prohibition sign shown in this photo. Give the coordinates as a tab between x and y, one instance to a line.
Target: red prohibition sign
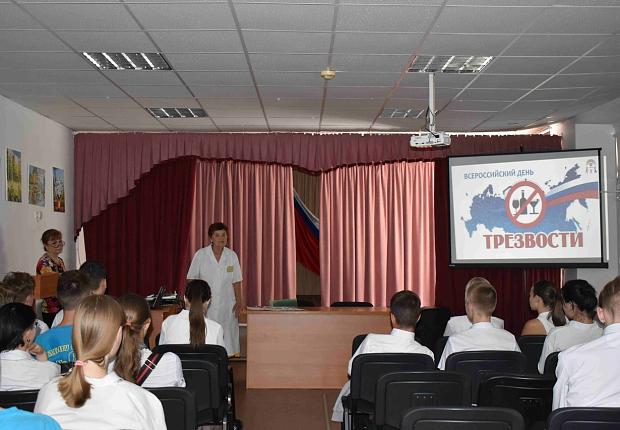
536	191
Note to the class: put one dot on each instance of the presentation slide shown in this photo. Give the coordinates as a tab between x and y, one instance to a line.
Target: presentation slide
527	209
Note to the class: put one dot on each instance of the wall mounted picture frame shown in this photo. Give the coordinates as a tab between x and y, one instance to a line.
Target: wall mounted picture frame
58	189
13	175
36	186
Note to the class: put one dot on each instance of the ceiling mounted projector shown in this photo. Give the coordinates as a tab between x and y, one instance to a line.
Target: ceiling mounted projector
431	137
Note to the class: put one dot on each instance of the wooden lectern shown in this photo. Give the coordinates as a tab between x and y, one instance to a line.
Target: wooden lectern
45	285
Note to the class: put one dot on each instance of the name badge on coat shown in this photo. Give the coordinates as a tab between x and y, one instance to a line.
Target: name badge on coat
229	269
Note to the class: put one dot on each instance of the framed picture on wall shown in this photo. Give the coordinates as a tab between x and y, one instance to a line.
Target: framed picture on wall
36	186
13	175
59	189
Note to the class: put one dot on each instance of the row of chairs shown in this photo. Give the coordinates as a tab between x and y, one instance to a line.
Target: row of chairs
384	386
208	398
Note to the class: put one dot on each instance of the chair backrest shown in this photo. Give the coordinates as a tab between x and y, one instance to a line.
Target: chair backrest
531	347
462	418
351	305
551	362
531	395
398	392
584	418
23	399
179	407
479	363
368	368
431	325
440	345
357	341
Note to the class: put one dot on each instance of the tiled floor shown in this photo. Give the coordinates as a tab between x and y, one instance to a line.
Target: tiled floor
283	409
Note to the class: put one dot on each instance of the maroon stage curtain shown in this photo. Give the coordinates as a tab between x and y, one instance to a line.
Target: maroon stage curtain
143	239
512	284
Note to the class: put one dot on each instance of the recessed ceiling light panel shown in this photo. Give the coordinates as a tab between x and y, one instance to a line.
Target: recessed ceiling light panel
127	61
448	64
180	112
395	113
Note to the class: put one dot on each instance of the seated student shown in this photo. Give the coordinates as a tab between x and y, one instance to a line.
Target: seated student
588	374
72	287
133	354
13	418
482	336
89	397
19	370
22	285
97	276
192	326
546	301
579	304
461	323
6	295
404	314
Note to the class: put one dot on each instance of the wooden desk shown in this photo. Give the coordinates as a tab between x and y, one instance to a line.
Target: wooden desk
157	318
45	285
306	349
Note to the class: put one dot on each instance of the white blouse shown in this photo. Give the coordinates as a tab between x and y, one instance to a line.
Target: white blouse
167	373
114	404
175	330
21	371
561	338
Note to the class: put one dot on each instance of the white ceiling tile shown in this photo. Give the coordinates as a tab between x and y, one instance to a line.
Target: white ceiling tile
43	60
465	44
83	16
172	91
552	45
404	125
442	80
472	105
442	95
30	40
231	112
66	1
508	81
90	90
494	94
370	63
394	18
182	122
376	43
139	116
222	91
105	102
197	41
365	79
292	113
88	124
286	42
186	62
609	46
528	65
147	77
370	104
216	78
290	78
108	41
497	2
299	17
468	19
224	122
356	92
595	65
584	80
109	111
291	92
289	62
286	124
188	16
52	76
395	2
168	102
558	94
12	17
250	103
342	115
205	128
285	1
577	20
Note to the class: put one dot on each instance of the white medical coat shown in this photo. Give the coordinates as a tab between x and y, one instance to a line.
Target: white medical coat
220	276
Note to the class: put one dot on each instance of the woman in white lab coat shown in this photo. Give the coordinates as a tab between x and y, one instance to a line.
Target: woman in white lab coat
219	267
89	397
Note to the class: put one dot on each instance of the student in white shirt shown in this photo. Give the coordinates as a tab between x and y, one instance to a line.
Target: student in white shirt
22	286
588	374
133	354
19	369
404	314
97	283
89	397
480	303
579	304
547	302
461	323
191	325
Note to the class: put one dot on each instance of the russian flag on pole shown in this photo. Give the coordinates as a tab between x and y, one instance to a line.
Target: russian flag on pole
307	236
